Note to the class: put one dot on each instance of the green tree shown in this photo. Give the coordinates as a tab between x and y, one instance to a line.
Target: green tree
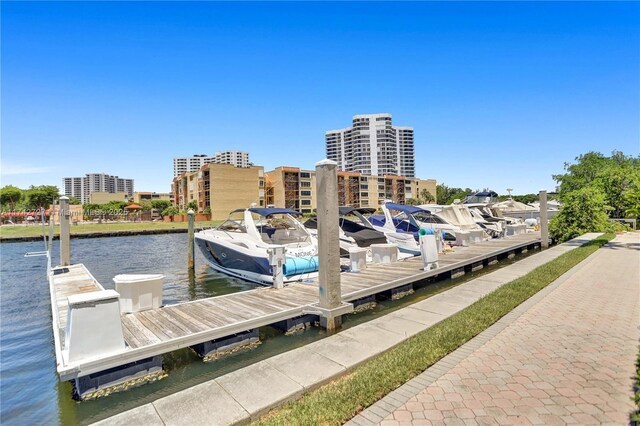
632	199
446	195
41	196
613	176
412	201
193	204
170	211
10	196
427	197
583	210
160	204
527	198
74	201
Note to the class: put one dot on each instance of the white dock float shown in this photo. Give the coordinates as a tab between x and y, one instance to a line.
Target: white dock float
151	333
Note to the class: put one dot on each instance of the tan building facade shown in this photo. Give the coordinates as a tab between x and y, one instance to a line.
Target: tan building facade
106	197
220	188
291	188
139	197
294	188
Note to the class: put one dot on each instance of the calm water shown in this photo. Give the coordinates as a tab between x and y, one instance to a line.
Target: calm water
30	392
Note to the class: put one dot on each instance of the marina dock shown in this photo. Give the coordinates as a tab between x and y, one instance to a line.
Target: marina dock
207	325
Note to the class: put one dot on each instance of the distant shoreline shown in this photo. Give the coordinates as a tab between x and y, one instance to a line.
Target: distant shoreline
122	233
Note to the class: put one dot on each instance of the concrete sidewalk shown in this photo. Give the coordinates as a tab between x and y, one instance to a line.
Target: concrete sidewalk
566	356
248	393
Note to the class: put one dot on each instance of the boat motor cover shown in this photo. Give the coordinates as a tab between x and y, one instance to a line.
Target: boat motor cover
363	235
300	265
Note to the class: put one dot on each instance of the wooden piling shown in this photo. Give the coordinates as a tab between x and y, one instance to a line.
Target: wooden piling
544	221
190	246
328	241
65	238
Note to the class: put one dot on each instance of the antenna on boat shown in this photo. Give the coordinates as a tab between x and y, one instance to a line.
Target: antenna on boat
509	191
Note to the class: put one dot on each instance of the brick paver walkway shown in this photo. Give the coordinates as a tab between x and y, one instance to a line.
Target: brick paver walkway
569	359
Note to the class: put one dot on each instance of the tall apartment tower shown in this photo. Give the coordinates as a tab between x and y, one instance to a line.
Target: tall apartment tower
190	164
373	146
194	163
82	187
235	158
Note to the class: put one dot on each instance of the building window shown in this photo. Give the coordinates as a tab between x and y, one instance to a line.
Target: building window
305	193
363	179
306	210
305	184
364	194
305	175
364	186
381	187
381	195
380	179
305	202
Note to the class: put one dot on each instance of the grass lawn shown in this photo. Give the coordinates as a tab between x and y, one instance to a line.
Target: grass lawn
342	399
36	230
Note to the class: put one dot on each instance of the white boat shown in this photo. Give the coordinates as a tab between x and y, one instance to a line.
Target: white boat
516	209
357	231
351	233
405	242
239	246
457	215
411	218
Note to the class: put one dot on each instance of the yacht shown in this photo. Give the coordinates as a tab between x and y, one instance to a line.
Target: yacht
239	246
411	218
405	242
353	233
458	215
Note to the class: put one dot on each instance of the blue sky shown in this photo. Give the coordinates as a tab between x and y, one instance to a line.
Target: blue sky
499	94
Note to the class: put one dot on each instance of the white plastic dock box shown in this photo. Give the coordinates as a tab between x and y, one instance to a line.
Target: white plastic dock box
384	253
139	292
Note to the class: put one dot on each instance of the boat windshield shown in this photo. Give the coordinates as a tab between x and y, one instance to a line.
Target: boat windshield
281	229
425	217
235	223
357	219
496	212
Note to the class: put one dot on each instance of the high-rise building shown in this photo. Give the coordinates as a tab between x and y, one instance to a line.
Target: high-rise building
82	187
235	158
183	165
373	146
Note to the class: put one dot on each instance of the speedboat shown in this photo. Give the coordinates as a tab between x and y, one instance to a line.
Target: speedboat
353	233
240	245
457	215
405	242
411	219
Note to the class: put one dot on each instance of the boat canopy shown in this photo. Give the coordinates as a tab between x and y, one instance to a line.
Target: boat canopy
513	205
267	211
363	210
406	209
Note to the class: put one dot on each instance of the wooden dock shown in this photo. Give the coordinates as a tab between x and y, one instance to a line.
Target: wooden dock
155	332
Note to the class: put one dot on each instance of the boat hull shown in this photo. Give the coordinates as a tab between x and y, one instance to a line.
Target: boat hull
249	267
